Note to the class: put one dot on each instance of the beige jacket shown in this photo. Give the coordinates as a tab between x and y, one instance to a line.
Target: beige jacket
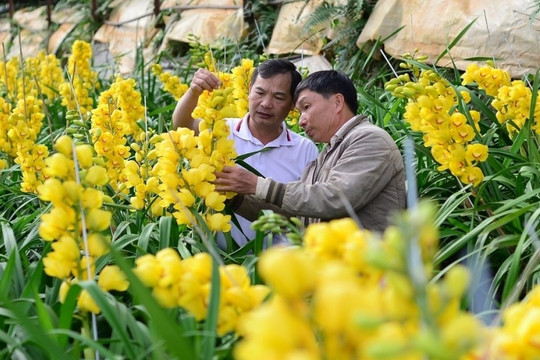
361	165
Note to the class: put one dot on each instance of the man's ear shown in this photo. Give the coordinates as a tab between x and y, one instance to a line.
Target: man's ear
339	100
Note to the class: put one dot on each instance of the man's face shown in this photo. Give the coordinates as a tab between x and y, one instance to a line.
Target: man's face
270	100
317	115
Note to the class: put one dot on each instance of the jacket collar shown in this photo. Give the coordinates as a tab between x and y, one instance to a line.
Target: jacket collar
346	129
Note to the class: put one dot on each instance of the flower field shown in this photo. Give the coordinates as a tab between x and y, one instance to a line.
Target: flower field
109	219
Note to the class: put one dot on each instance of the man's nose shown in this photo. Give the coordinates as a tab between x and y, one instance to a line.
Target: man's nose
267	101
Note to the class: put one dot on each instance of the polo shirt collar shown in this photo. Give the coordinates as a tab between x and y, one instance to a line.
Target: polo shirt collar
242	131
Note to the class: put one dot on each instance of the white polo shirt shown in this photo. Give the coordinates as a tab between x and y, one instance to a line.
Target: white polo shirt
285	162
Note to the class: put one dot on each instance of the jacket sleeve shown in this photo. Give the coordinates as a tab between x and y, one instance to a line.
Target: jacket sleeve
365	166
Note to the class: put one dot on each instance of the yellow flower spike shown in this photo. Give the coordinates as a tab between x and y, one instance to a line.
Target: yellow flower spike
96	176
72	190
275	331
233	275
112	278
62	292
186	198
166	297
183	217
98	220
85	154
215	200
457	280
237	297
200	264
320	239
58	165
92	198
152	185
218	222
462	334
80	271
257	294
55	223
290	271
52	190
64	145
172	267
227	319
98	244
204	188
339	285
472	175
66	247
55	265
148	269
86	303
476	153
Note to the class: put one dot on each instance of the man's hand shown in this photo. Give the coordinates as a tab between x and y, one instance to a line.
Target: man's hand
204	80
236	179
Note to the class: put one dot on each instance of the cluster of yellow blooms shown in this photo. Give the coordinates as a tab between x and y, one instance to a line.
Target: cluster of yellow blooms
76	221
432	109
241	78
113	120
83	80
171	83
186	172
138	174
186	283
518	338
512	99
347	294
186	163
350	294
21	113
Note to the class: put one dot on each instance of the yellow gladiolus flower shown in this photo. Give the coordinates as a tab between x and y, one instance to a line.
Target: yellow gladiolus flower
264	336
472	175
58	165
166	297
476	152
98	244
98	219
56	265
148	269
219	222
215	200
290	271
112	278
62	292
96	176
85	154
64	145
72	190
55	223
92	198
52	190
86	303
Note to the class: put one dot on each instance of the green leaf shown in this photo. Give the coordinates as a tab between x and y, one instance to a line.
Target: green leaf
210	325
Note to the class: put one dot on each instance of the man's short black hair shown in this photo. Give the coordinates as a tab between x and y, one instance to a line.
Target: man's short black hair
273	67
330	82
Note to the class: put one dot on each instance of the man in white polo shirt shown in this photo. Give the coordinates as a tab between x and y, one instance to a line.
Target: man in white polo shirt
270	99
